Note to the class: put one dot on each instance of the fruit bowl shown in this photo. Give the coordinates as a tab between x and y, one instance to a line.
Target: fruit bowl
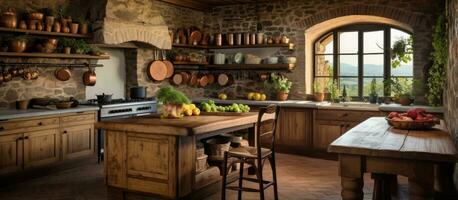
413	119
411	125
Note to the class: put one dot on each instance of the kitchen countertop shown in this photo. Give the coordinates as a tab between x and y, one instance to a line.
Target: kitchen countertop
7	114
326	105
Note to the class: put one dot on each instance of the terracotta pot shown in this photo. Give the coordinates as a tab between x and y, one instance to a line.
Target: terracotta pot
18	46
50	20
318	96
74	28
8	19
67	50
83	28
32	25
65	29
22	105
22	25
48	28
66	21
282	96
39	26
56	27
405	101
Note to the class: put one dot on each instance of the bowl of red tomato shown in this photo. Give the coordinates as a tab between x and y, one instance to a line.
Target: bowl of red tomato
413	119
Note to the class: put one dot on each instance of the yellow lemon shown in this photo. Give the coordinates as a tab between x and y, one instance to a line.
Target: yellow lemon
250	96
192	106
196	111
188	112
257	96
222	96
263	97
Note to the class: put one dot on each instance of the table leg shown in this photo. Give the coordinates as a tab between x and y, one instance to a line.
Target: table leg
421	182
444	181
252	142
385	186
351	173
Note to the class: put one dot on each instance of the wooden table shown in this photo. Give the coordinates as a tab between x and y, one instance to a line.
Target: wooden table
158	156
375	147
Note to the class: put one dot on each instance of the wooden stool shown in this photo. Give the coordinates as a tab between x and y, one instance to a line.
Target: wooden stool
255	156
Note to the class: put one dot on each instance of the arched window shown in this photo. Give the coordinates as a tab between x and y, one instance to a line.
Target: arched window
355	55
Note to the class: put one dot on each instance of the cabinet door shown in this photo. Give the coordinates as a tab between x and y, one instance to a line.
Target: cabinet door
41	147
77	141
10	153
295	127
325	133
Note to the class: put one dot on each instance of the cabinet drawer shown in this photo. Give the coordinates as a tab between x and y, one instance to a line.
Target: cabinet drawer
346	115
77	119
32	124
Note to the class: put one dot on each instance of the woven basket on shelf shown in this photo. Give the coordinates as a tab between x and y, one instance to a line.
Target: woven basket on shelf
216	147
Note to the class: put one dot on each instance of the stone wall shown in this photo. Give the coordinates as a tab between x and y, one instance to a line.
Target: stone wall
46	85
451	90
292	18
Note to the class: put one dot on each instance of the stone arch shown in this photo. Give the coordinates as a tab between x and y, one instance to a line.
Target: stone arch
406	17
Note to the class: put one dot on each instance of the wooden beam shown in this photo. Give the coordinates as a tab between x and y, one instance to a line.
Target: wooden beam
189	4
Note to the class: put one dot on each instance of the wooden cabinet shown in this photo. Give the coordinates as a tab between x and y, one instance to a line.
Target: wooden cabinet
10	153
331	124
295	128
77	140
38	141
41	147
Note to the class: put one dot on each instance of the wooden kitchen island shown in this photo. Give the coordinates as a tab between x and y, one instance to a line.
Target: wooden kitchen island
158	156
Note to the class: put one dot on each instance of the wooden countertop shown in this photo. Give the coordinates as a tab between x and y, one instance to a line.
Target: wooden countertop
192	125
374	137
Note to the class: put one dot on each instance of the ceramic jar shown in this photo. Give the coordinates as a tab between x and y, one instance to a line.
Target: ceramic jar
8	19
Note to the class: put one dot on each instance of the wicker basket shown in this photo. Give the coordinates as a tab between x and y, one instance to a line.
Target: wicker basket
411	125
217	146
200	152
201	163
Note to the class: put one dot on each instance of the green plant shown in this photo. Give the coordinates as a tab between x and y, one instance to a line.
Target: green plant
334	90
65	42
50	12
317	87
437	72
82	20
168	95
401	52
401	87
373	88
81	46
278	83
16	38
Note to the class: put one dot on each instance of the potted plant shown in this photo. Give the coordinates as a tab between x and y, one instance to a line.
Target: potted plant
171	102
50	18
335	92
280	85
373	96
345	97
318	91
402	91
81	47
65	45
84	26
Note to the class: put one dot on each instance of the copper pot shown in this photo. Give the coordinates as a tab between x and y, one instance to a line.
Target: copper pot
63	74
8	19
27	75
18	46
89	77
7	76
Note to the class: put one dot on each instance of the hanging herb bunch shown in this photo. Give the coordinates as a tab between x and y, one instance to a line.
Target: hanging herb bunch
439	56
401	51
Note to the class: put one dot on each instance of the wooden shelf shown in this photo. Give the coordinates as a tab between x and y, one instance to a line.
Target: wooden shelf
285	67
231	46
52	55
44	33
188	63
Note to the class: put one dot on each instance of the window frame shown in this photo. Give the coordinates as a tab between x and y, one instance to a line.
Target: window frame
360	28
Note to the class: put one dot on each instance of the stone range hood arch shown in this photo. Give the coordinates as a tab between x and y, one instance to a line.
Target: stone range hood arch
115	32
124	21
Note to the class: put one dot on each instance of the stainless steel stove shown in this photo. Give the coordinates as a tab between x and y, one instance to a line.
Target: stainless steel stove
120	108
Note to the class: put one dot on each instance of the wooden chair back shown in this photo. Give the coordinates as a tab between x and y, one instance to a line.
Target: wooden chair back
266	128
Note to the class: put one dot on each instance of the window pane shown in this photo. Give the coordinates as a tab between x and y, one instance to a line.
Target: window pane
401	85
348	65
324	65
351	85
404	69
397	35
325	46
373	42
373	65
378	86
348	42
